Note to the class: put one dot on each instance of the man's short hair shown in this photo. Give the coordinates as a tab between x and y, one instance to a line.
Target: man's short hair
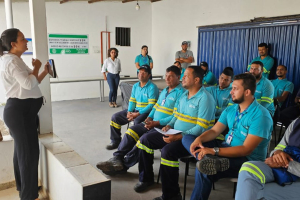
283	66
260	64
204	64
249	81
228	71
263	45
174	69
197	72
178	63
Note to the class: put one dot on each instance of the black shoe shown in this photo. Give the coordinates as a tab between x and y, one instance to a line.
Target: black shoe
211	165
177	197
113	172
113	164
142	186
112	146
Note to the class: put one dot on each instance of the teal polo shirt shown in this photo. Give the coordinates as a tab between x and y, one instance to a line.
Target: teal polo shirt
264	94
194	115
268	64
256	121
163	109
144	98
222	98
280	86
209	79
143	60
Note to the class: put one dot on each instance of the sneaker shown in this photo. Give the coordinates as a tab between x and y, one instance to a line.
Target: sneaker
111	105
113	164
112	146
177	197
113	172
115	104
211	165
142	186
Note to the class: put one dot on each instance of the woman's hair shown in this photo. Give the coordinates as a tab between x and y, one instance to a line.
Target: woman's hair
7	37
116	50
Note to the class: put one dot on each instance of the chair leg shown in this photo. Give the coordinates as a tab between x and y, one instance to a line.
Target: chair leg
158	176
234	189
213	185
187	165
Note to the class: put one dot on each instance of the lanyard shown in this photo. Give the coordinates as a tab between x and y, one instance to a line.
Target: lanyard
237	119
163	101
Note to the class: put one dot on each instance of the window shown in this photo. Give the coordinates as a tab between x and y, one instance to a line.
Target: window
122	36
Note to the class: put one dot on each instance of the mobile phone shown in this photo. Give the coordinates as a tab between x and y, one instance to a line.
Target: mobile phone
51	69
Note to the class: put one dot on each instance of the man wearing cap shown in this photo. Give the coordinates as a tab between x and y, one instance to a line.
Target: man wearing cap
185	57
221	92
209	78
282	87
143	97
263	57
264	92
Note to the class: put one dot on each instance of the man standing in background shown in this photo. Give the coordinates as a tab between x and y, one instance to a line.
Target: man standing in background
185	57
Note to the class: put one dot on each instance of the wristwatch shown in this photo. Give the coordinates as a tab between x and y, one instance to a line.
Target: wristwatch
216	150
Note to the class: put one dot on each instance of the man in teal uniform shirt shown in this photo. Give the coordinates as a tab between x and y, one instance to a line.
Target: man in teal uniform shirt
264	89
263	57
282	87
209	78
221	92
250	127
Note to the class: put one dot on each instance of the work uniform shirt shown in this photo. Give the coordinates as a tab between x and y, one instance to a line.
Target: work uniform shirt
144	98
111	66
185	55
167	102
143	60
222	98
209	79
280	86
194	115
182	73
255	121
268	64
264	94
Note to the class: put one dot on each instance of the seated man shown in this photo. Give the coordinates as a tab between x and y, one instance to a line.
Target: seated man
282	87
264	89
256	179
221	92
290	113
195	114
160	116
250	127
143	97
263	57
209	78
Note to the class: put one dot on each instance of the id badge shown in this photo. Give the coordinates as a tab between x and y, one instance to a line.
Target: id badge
163	102
229	138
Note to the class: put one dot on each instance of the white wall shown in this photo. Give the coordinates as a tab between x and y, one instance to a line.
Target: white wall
84	18
176	20
161	25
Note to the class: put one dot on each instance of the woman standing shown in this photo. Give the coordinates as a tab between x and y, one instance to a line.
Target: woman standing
111	71
20	112
143	59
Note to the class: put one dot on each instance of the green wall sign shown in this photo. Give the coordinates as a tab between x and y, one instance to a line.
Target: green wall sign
68	44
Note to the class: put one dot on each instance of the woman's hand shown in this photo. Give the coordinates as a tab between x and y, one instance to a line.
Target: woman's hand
36	63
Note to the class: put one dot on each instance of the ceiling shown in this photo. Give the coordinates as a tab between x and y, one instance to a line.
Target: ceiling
88	1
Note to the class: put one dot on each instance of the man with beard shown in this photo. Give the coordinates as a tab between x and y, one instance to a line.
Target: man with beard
282	87
209	78
185	57
250	127
264	89
194	115
263	57
221	92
